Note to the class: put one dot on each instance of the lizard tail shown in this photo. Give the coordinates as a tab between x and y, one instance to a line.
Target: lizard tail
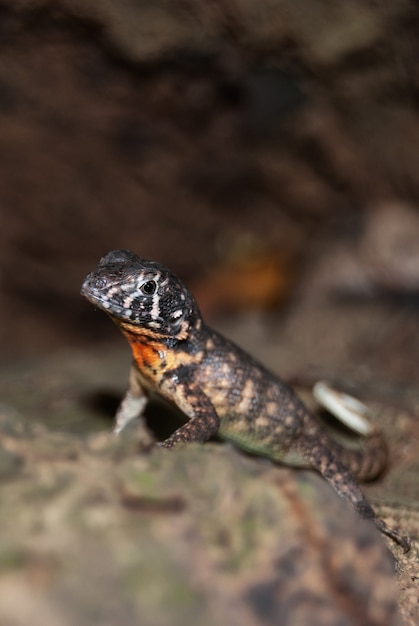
368	461
365	463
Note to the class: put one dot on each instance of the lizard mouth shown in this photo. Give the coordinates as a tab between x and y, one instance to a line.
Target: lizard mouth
104	300
92	293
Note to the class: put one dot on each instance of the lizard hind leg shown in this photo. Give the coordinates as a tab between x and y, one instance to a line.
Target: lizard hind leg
336	473
339	465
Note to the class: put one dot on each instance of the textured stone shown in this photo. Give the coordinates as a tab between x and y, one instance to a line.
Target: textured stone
197	535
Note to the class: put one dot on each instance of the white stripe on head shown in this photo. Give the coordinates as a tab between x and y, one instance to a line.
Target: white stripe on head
155	308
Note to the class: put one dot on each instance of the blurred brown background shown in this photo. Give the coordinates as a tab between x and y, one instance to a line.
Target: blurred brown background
237	142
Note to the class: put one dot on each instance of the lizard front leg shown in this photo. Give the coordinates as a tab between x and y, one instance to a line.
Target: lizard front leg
203	419
132	404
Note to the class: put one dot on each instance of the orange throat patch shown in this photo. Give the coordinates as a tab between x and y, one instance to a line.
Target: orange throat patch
149	353
152	355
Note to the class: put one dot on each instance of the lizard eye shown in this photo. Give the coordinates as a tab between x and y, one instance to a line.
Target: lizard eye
149	287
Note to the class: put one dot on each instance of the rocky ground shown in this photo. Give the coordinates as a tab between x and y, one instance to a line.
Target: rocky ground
106	530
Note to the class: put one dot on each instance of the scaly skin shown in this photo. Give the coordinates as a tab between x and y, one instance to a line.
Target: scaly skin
219	387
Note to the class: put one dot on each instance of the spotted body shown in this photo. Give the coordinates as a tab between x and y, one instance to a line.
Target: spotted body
218	386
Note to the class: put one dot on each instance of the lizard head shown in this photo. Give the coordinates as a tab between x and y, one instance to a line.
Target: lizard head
141	295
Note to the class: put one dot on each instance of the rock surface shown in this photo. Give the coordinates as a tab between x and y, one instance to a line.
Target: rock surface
107	531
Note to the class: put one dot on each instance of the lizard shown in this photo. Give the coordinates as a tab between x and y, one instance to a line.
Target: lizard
218	386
